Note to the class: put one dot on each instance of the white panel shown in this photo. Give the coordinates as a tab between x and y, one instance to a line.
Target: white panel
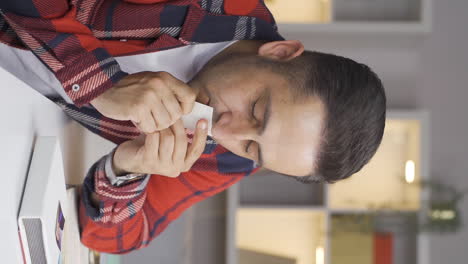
381	183
310	11
290	233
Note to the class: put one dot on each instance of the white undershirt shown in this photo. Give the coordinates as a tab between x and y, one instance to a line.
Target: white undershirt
183	63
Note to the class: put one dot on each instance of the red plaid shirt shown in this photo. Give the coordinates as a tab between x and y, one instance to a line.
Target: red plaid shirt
78	40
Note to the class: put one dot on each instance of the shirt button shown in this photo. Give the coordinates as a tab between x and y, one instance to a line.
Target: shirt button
75	87
123	40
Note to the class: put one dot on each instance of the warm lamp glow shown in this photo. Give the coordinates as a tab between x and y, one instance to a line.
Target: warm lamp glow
310	11
443	214
409	171
319	255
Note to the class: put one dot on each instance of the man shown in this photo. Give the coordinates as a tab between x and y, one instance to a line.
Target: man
314	116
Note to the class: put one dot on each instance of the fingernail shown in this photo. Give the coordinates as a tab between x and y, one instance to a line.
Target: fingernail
202	125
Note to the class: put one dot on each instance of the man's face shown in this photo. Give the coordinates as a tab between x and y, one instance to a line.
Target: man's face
255	117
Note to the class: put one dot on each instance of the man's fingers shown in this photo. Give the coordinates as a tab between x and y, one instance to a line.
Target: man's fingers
180	146
146	122
160	115
185	95
173	107
198	144
166	145
152	145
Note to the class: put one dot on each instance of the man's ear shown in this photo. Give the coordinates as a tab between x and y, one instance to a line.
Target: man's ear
281	50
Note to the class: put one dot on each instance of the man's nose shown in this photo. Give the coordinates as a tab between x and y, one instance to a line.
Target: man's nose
230	126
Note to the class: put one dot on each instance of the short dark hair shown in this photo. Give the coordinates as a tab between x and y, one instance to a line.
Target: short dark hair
355	109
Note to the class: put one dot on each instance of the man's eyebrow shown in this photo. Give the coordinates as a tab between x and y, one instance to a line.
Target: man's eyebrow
266	119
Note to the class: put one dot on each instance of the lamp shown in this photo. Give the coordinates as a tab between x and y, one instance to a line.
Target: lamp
410	171
319	255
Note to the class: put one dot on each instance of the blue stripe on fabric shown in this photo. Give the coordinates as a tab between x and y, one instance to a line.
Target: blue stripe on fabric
156	225
91	128
209	148
20	7
175	206
118	76
92	112
86	112
184	181
58	39
5	25
129	230
109	18
173	16
229	162
190	186
86	191
248	28
119	238
266	31
127	250
215	29
101	55
131	209
203	4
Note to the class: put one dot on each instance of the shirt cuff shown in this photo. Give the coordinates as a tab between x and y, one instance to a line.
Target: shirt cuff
119	180
89	76
110	196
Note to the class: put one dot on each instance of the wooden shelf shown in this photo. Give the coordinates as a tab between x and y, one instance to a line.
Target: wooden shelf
354	16
368	211
283	207
297	233
268	188
362	27
399	228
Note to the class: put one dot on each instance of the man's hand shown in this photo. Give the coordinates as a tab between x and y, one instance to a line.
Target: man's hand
153	101
166	152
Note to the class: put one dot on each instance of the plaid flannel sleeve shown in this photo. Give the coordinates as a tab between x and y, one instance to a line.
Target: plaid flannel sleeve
130	217
51	30
118	206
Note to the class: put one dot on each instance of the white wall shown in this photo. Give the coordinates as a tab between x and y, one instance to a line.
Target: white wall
428	72
443	88
296	233
381	182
